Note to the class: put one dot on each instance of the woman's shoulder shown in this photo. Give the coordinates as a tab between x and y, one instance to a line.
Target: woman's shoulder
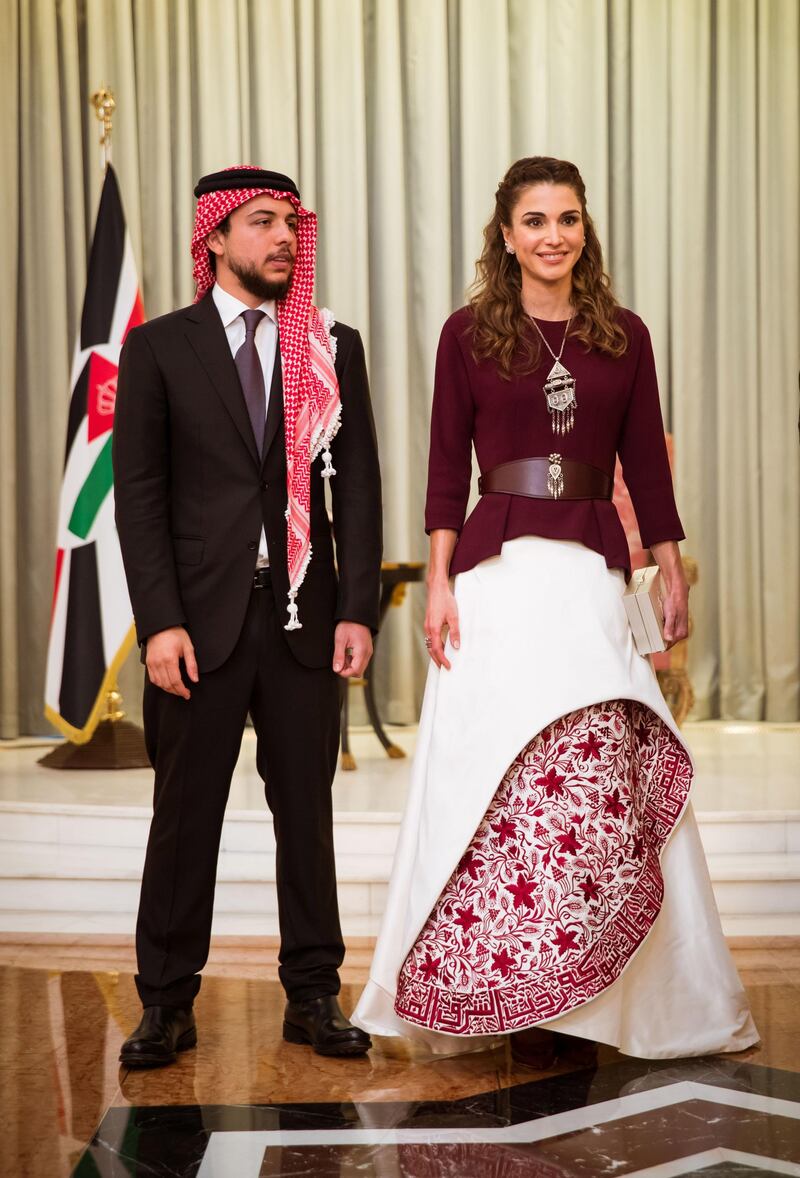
459	324
456	336
634	327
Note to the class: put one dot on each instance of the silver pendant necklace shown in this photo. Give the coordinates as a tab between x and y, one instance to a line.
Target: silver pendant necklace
559	388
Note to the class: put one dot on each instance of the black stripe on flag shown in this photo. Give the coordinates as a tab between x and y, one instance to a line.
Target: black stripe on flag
77	406
84	664
105	265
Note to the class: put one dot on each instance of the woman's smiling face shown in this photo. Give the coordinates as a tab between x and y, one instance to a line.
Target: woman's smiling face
546	231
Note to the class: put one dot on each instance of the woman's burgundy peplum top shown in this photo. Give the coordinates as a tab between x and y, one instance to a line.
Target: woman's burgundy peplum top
618	412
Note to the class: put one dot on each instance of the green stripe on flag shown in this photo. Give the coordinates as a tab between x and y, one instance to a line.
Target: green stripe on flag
90	498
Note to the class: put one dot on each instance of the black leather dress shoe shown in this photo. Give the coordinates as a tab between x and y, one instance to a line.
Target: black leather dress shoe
162	1033
320	1023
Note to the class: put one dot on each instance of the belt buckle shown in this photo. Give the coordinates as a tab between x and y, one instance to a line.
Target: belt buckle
555	476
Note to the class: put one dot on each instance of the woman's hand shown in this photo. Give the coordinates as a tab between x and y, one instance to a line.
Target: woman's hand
676	592
441	620
676	613
442	612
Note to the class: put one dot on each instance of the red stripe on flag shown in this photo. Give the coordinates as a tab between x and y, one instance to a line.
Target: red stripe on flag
59	567
137	315
101	395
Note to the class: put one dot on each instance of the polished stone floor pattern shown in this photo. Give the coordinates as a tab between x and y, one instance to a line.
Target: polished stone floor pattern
247	1105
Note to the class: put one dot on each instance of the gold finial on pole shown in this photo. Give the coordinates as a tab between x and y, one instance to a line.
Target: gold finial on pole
113	713
104	106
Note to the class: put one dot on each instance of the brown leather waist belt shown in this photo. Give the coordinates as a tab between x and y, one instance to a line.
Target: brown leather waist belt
547	478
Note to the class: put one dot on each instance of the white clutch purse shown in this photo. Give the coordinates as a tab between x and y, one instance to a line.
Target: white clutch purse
643	605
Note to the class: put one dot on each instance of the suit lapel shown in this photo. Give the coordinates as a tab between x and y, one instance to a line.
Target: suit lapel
275	406
207	337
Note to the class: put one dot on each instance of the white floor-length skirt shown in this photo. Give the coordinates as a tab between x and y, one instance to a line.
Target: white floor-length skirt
544	634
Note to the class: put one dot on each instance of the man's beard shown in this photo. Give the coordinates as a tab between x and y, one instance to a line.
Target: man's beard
258	286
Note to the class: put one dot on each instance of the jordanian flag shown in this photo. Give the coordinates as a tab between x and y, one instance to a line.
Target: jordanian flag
91	627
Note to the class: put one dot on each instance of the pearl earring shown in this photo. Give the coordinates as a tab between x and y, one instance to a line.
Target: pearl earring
509	248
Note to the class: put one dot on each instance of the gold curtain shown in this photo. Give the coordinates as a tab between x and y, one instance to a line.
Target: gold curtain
398	117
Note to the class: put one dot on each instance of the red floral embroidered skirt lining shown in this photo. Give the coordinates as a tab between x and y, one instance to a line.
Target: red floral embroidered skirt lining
561	882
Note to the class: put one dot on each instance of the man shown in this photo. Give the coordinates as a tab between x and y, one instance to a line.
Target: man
227	425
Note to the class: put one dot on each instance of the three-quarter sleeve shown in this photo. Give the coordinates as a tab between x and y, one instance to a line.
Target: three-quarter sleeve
643	454
452	422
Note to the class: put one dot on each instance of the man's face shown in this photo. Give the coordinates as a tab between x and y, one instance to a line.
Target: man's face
255	258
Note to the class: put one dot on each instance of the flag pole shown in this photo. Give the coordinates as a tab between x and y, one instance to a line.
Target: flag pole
105	104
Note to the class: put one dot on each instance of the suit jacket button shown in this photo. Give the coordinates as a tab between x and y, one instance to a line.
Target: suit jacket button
263	485
252	546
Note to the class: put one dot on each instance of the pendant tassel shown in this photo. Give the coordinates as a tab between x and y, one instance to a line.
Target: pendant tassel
555	476
562	421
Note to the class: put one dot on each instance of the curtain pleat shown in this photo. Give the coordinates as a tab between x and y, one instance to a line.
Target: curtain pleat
742	679
10	637
49	241
691	311
398	118
778	212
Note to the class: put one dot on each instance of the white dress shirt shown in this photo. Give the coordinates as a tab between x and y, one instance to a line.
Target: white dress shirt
230	312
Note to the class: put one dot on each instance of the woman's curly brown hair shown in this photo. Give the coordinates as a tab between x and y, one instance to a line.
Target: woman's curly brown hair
501	329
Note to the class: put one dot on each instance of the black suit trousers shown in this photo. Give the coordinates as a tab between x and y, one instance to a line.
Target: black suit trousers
194	745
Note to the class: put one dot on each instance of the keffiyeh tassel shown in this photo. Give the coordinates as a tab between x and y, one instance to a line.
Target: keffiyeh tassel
294	622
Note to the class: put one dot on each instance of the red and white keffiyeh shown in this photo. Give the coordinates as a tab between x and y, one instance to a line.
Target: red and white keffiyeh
311	403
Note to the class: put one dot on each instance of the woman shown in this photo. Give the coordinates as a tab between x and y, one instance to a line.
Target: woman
549	875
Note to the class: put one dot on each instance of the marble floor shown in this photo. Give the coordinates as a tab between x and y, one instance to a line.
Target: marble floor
245	1104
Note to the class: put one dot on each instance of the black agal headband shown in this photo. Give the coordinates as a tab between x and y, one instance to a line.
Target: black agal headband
233	178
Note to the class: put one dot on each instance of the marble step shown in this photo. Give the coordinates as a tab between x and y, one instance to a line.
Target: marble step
95	887
723	832
24	921
82	889
72	844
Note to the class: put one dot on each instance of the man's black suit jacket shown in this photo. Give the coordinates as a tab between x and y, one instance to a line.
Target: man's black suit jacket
191	493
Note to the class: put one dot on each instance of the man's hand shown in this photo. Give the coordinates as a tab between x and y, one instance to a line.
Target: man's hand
164	652
352	649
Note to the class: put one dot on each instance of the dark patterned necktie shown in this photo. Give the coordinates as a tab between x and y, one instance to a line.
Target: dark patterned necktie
251	374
